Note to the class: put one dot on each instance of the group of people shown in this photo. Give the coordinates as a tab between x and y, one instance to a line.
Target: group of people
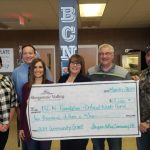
34	71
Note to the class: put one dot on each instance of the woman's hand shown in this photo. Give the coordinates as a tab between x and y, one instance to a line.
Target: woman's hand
1	127
143	127
21	134
28	101
4	127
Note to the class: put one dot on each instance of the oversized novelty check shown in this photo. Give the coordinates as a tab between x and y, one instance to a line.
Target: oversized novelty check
84	110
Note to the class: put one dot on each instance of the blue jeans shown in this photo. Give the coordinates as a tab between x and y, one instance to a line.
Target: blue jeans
143	142
38	145
113	143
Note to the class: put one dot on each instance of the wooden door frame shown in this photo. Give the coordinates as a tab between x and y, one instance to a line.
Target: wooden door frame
90	46
54	51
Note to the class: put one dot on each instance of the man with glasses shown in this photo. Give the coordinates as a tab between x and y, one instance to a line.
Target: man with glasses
107	71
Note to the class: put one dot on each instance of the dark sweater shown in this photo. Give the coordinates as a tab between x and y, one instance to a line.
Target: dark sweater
79	78
23	118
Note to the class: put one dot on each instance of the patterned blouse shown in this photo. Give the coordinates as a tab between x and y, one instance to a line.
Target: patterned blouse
145	95
8	98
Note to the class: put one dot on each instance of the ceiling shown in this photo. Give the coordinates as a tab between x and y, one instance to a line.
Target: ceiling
43	15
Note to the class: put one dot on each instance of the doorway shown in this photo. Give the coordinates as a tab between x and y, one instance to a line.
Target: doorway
47	53
90	54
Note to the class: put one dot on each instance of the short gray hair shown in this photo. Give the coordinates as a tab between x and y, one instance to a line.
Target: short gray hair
107	46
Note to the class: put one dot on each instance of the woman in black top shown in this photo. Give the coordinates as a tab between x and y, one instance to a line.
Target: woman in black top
76	73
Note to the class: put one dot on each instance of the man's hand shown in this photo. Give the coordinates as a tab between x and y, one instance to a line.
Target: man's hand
135	77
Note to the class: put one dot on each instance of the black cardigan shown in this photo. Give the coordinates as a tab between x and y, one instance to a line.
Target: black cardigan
79	78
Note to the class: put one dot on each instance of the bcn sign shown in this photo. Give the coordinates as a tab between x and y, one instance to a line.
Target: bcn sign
67	31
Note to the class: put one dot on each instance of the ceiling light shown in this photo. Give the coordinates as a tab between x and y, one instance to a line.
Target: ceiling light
91	10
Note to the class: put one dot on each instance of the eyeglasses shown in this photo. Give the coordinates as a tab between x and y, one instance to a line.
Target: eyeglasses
75	63
106	54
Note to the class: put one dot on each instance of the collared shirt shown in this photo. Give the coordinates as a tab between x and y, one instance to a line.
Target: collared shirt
20	77
144	85
8	98
116	72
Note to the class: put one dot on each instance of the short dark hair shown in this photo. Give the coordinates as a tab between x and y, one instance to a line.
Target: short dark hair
0	61
27	45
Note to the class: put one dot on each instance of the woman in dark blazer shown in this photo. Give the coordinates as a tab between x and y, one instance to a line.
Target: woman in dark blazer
76	73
